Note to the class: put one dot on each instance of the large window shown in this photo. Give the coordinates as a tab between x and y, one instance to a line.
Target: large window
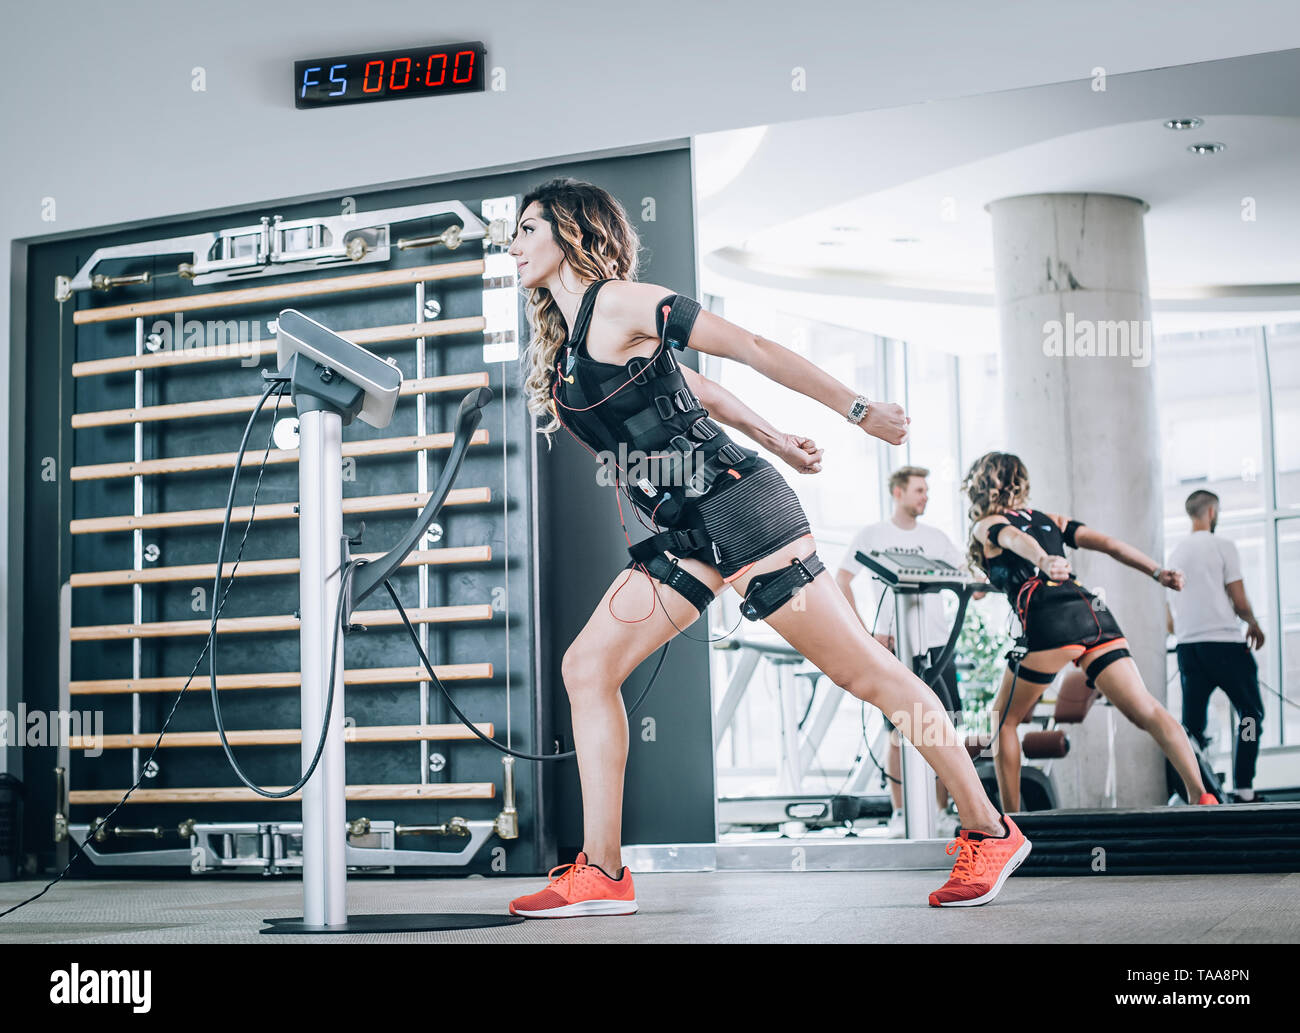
1229	411
846	494
931	401
955	406
1283	355
839	500
1210	424
979	395
1229	405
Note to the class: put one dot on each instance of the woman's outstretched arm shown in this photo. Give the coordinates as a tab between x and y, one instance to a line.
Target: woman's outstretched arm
716	336
1089	538
800	453
632	305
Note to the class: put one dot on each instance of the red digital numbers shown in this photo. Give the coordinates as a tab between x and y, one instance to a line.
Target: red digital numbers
469	71
442	76
406	74
456	74
391	74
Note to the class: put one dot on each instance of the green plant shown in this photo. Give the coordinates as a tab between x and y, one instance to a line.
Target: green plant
984	649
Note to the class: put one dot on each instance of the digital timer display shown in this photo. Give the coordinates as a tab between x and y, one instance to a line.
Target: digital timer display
391	75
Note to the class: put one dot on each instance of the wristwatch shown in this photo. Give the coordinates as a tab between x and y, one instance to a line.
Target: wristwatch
1155	574
859	410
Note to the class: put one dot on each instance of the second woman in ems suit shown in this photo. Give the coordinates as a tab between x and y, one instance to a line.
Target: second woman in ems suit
593	328
1022	552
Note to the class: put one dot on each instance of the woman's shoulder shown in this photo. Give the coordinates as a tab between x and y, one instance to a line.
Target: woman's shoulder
622	300
625	311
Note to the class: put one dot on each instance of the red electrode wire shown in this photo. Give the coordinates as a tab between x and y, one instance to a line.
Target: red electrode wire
1022	607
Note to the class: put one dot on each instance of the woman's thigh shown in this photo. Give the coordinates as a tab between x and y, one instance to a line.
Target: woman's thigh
636	615
818	621
1121	683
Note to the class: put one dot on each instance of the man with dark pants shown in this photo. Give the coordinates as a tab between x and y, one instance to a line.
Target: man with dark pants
1211	653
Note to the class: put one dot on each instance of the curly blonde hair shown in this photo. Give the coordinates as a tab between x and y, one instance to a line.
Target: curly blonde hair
996	481
599	242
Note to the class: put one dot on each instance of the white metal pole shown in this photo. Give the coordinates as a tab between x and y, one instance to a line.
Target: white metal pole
918	778
320	531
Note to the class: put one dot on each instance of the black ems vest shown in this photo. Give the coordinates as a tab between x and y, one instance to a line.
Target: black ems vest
1008	571
672	453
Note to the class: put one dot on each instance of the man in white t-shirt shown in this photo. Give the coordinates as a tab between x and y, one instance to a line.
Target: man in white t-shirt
908	487
1205	620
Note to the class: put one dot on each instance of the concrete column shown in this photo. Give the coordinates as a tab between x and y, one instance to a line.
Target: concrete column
1079	401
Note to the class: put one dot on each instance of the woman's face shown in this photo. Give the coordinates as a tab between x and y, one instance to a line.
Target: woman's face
537	256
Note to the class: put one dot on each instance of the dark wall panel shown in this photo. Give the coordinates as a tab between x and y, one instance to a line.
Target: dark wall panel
564	545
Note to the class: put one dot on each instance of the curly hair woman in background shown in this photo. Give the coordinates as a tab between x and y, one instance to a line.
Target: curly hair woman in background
1022	552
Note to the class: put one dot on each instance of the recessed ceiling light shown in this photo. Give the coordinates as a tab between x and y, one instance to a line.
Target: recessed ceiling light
831	243
905	240
846	229
1184	123
1206	148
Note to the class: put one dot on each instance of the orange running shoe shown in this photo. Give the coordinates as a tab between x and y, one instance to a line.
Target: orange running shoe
983	865
1207	799
581	889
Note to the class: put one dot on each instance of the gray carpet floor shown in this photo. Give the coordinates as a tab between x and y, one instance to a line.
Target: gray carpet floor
688	907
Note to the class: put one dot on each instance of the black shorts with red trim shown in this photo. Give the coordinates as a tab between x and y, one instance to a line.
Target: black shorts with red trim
1064	613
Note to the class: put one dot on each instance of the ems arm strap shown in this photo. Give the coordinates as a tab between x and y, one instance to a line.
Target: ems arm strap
675	318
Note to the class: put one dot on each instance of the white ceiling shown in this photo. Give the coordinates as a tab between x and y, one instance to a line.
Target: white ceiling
818	205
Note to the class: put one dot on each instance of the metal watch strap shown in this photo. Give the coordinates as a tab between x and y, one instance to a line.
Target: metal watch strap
860	406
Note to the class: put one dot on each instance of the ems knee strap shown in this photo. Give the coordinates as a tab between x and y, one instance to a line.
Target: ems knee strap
768	592
1030	675
1102	662
684	584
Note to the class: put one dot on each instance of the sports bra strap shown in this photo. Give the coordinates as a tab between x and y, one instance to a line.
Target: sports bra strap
581	323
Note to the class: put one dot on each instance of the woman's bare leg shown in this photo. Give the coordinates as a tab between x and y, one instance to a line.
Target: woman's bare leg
1024	697
601	658
1121	683
821	625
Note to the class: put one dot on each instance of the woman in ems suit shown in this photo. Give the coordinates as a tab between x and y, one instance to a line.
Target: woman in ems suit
1022	552
601	365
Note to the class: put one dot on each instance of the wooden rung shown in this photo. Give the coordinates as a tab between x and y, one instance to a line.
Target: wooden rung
240	794
272	511
276	622
279	736
247	403
279	680
278	291
251	349
226	460
260	568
